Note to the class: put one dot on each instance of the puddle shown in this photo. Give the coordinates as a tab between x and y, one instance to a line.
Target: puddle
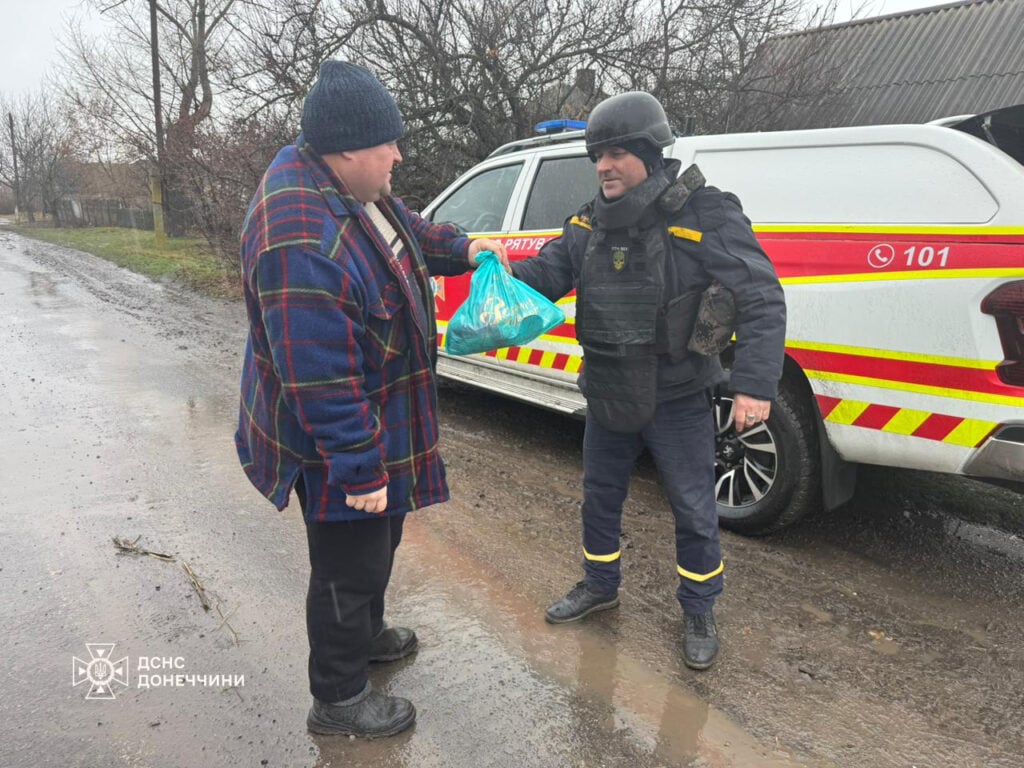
571	692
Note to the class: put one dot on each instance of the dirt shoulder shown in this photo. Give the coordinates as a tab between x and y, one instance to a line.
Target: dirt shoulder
869	637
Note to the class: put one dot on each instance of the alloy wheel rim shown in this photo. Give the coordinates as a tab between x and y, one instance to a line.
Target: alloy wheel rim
746	463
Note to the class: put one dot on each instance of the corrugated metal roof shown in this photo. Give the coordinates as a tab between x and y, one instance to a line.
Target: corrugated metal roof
917	66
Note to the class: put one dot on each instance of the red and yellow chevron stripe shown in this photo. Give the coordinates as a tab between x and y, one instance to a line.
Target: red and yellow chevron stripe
954	430
555	361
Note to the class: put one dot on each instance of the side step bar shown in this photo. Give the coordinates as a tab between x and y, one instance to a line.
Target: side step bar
556	396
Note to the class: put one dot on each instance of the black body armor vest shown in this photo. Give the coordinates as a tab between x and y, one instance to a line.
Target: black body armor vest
628	313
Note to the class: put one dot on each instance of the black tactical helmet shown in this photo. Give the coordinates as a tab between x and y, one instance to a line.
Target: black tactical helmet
629	116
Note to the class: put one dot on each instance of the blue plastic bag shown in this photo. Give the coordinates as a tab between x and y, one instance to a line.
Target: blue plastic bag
500	311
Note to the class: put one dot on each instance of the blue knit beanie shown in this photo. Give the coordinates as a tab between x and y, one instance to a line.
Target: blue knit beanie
348	108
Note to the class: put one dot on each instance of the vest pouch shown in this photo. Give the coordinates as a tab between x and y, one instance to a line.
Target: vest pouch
621	392
678	322
621	315
715	321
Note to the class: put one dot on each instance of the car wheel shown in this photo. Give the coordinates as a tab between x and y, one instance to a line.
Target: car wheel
766	477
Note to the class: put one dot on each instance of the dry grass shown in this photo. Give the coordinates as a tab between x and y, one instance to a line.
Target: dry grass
186	259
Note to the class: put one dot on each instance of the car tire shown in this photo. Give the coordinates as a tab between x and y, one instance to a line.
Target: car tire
768	477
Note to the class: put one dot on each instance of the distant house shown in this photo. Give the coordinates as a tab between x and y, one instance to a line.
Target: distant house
575	101
109	194
962	58
126	183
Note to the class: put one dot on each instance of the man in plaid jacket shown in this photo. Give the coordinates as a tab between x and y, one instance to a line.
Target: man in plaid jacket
338	393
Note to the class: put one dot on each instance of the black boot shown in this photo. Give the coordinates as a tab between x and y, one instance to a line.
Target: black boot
579	602
369	714
700	640
393	643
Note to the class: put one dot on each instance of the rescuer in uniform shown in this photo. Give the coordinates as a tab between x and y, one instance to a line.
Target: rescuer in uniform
641	256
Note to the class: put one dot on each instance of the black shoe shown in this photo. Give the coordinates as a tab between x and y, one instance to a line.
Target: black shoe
579	602
700	640
369	715
392	644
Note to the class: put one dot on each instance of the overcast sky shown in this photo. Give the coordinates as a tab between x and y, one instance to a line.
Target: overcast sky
28	47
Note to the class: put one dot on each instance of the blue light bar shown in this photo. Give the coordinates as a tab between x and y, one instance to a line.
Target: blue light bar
557	126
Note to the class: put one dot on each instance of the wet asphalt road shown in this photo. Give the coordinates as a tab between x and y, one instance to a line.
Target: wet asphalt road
887	634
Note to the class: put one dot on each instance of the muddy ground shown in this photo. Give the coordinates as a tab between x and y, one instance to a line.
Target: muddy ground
887	633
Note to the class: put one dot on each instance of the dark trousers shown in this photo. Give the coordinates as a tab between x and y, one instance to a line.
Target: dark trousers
350	566
681	438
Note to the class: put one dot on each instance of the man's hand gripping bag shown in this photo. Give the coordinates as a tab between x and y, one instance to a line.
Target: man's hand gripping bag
500	311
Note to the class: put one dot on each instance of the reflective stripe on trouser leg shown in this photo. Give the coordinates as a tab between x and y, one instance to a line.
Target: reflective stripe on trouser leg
681	437
608	459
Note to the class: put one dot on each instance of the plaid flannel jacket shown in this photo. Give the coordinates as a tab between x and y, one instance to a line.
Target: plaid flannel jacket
338	376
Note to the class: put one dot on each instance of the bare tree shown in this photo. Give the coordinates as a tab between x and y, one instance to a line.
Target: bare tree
469	75
111	81
46	142
225	168
700	58
275	53
766	84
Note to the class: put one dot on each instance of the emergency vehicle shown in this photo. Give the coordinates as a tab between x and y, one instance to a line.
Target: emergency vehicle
901	251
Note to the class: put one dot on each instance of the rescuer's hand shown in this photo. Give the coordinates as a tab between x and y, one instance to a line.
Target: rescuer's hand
749	411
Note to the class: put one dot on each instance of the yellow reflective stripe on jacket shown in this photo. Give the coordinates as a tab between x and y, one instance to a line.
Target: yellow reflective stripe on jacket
580	222
602	558
686	234
700	576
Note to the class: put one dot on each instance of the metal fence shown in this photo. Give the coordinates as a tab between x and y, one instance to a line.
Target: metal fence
106	213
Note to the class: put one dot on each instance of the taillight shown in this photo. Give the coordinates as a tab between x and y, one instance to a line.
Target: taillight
1006	305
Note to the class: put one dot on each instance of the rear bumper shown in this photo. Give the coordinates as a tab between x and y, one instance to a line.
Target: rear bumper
1001	457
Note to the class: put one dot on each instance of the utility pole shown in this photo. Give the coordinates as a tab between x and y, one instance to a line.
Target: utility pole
14	154
156	178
